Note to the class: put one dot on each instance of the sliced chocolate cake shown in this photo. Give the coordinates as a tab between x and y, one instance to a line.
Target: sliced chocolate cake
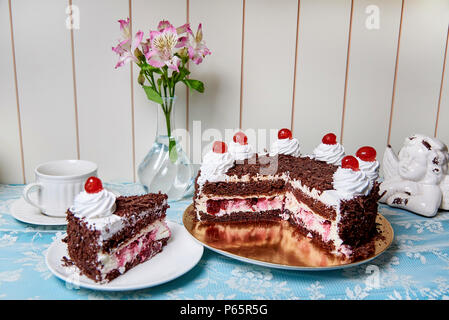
326	196
107	236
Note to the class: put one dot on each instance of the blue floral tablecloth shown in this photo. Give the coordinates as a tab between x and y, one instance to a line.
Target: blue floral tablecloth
416	266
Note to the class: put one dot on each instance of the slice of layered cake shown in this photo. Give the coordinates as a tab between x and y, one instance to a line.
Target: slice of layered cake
324	195
108	235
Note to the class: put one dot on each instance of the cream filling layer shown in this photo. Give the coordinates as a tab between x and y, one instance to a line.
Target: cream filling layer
111	261
235	204
306	217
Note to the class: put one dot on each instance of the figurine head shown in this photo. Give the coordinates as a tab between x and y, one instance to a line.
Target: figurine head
423	159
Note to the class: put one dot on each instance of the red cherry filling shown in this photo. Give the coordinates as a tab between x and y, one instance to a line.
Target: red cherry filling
350	162
329	138
93	185
367	154
240	138
219	147
284	134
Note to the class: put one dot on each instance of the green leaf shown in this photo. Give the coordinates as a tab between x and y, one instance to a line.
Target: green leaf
183	72
149	68
153	95
194	84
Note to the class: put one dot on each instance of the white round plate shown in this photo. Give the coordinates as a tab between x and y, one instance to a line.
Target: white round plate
178	257
25	212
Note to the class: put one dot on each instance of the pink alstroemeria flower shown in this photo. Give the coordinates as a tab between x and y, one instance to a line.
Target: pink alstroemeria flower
162	46
197	48
125	48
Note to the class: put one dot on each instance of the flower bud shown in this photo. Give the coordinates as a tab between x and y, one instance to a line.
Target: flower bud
141	79
183	53
139	55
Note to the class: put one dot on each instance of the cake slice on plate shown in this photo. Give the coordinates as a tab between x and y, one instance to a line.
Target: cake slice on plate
108	235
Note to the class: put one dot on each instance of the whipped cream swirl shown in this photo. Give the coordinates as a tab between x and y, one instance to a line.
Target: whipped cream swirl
288	147
240	152
214	167
350	183
94	205
330	153
371	168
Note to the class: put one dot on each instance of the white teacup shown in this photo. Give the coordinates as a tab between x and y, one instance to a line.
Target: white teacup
57	184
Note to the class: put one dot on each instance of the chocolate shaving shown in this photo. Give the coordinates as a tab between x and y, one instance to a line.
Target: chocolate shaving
426	144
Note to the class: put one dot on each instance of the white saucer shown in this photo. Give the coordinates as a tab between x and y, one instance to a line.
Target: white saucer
24	212
179	256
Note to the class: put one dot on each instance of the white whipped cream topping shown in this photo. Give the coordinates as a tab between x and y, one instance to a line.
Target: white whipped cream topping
330	153
214	167
371	168
94	205
286	146
239	151
350	183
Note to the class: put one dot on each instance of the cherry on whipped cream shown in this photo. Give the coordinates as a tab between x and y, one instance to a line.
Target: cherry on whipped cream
284	134
240	138
367	154
219	147
329	138
93	185
350	162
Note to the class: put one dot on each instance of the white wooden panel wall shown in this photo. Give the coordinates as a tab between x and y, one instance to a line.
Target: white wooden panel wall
103	93
322	53
270	40
219	106
307	64
442	128
45	82
10	142
371	75
420	64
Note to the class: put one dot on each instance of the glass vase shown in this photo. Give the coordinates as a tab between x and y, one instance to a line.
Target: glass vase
166	167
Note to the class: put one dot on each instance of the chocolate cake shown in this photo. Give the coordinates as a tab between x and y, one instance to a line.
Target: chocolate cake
107	236
329	199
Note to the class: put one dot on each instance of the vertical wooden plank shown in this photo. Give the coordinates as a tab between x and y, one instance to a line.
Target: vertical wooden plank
146	16
44	71
269	57
10	154
219	106
104	93
442	125
421	55
320	75
371	74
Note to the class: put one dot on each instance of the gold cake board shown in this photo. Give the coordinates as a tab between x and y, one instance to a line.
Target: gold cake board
275	244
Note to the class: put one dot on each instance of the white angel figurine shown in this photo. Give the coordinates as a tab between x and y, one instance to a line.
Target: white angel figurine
417	180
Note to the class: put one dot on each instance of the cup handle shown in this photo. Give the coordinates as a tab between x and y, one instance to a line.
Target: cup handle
26	194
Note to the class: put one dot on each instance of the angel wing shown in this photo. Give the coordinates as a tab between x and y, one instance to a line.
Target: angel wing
444	185
390	163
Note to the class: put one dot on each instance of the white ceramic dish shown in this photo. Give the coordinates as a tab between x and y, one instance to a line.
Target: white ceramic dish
178	257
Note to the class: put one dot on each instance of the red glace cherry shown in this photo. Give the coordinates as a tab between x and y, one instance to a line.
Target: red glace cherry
350	162
240	138
329	138
284	134
367	153
219	147
93	185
